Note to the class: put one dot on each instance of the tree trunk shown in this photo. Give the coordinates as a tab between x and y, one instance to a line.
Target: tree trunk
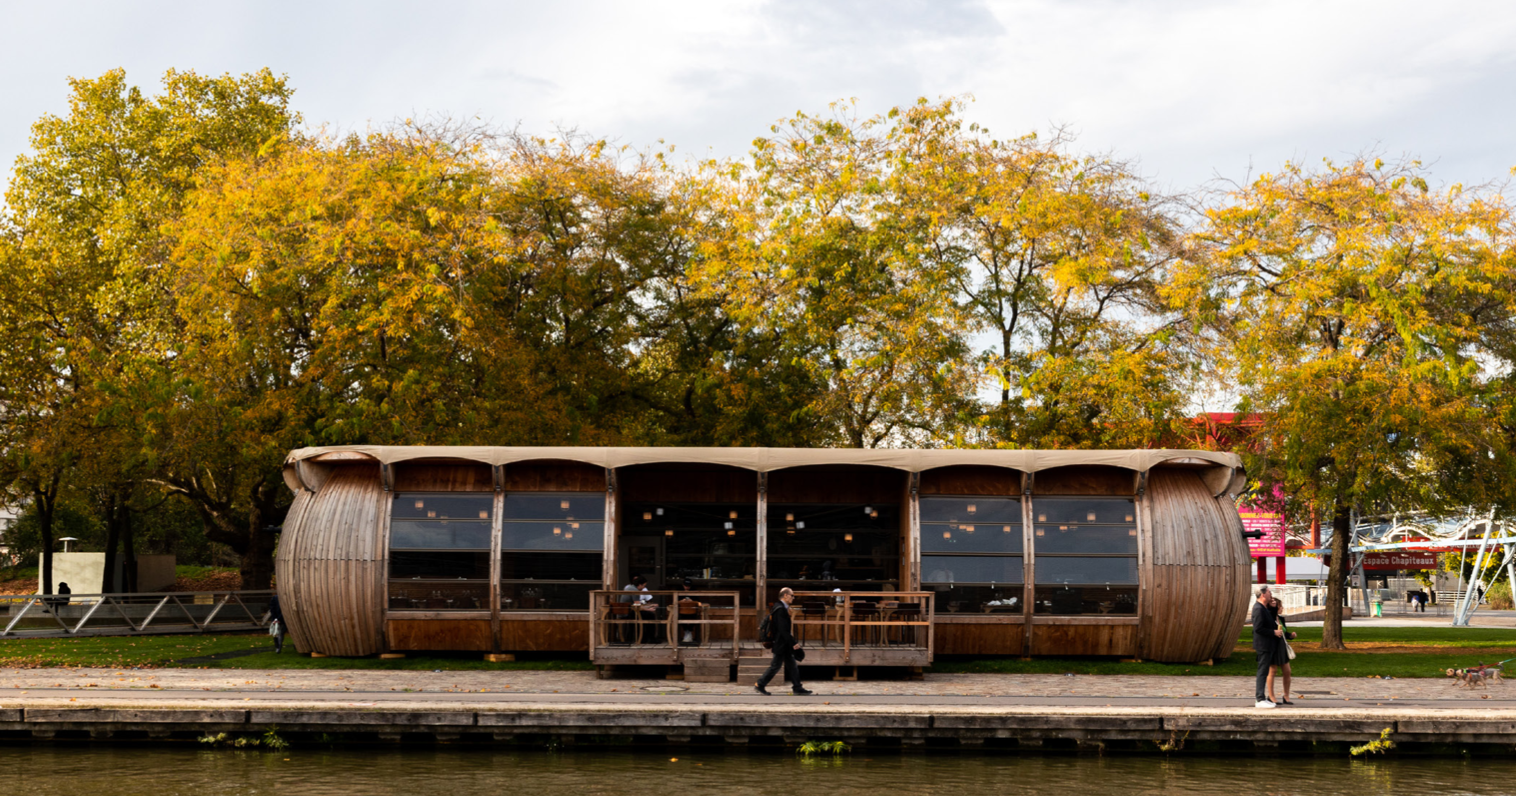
128	549
45	509
1342	534
108	581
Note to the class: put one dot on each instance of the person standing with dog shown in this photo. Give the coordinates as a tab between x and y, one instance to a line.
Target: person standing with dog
785	647
1266	634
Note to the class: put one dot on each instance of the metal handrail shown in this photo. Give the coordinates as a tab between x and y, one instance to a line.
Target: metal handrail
132	613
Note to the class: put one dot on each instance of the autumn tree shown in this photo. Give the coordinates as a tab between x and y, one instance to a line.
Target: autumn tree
1351	307
817	252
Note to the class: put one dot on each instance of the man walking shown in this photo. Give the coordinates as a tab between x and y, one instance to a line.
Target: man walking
784	647
1266	634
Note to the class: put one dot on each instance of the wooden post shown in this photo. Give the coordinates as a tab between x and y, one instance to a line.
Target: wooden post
913	537
498	472
608	555
761	533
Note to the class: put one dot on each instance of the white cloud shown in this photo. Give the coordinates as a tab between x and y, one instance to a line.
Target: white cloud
1190	88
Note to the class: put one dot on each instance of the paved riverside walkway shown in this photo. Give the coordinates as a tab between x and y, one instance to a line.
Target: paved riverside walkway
483	689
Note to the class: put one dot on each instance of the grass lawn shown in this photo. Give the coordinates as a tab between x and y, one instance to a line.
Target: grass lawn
171	651
1391	651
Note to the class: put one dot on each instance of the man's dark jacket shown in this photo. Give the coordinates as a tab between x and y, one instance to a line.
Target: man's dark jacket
784	631
1264	626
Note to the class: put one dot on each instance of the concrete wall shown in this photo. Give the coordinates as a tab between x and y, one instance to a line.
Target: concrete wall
85	572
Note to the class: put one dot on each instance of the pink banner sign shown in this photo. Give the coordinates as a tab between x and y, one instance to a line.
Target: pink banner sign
1271	524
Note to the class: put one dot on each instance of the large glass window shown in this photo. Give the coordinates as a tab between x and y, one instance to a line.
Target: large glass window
550	550
713	545
440	551
853	547
971	553
1086	555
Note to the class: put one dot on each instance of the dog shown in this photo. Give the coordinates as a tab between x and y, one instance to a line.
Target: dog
1480	676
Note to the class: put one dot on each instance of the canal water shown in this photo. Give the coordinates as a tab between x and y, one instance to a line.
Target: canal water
126	770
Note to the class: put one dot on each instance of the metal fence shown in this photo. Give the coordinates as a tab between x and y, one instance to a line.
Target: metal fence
76	615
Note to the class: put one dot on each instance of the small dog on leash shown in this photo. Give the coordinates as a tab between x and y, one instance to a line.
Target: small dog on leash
1480	675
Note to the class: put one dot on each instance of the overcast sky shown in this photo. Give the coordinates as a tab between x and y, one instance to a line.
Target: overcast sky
1192	90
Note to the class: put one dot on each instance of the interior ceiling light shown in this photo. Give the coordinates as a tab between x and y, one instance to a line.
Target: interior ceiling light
669	532
431	513
647	516
1042	518
973	508
1041	532
800	525
420	504
1005	529
569	535
731	533
789	518
557	530
968	528
563	504
732	514
1131	532
484	515
1128	518
660	512
1089	517
947	534
847	537
728	526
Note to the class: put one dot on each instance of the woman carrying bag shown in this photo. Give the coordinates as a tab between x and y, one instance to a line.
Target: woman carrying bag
1283	654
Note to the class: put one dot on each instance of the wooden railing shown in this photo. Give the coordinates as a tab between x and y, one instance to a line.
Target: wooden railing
63	615
672	619
857	619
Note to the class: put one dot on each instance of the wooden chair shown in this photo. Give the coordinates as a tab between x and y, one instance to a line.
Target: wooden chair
688	610
813	610
619	613
906	612
867	611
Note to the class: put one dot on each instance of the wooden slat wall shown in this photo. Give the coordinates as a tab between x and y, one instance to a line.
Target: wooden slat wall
1198	561
1090	480
687	484
1083	639
978	639
836	485
434	477
553	476
971	480
330	564
473	635
544	635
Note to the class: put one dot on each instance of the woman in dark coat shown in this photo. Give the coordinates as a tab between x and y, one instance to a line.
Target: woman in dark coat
1281	654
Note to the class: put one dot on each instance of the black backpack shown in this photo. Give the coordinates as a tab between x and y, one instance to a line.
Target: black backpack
766	630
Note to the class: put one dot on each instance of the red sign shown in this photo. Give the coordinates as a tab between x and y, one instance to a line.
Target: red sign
1271	524
1399	559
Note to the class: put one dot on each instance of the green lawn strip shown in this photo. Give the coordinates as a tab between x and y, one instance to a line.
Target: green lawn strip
192	572
1317	664
430	661
120	651
1427	636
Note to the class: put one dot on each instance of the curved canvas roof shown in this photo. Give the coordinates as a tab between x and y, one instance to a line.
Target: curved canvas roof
1223	472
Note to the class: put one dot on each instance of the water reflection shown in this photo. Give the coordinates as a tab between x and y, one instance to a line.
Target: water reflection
125	770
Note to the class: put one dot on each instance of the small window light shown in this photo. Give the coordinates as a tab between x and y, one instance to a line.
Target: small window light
968	528
432	513
1063	528
732	514
973	508
1131	532
659	512
800	525
868	510
1128	518
563	504
1005	529
728	526
947	534
569	535
1041	532
1089	517
647	516
731	533
484	515
420	504
847	537
557	530
669	532
574	525
874	514
789	531
1042	518
789	518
